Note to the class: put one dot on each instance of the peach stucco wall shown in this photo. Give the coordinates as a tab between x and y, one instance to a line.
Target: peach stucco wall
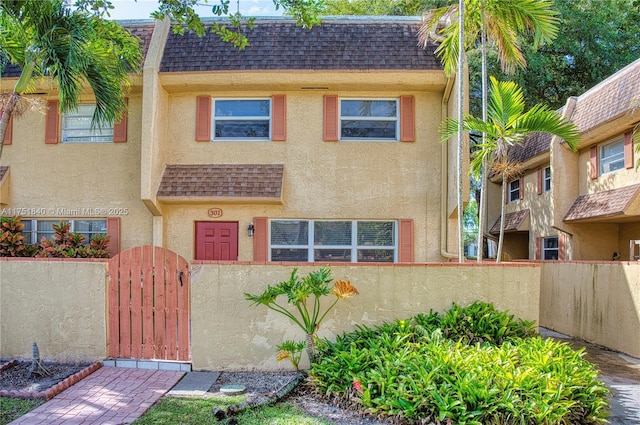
77	180
329	180
597	302
387	293
58	304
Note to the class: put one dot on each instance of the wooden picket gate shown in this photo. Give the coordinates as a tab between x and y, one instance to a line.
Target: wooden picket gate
148	305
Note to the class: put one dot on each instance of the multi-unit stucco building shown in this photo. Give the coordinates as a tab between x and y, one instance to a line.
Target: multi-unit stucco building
582	205
309	145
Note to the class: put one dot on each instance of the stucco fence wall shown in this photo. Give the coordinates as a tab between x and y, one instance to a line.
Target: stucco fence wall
595	301
61	305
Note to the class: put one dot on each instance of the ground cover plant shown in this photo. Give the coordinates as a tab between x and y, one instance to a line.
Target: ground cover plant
199	411
472	365
13	408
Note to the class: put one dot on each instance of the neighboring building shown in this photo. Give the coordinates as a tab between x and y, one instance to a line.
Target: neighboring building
582	205
309	145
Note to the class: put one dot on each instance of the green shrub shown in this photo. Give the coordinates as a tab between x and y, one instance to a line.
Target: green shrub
416	370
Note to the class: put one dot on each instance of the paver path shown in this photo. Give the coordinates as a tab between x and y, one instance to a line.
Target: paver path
109	396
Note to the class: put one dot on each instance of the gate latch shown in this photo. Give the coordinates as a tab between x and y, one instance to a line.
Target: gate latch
180	274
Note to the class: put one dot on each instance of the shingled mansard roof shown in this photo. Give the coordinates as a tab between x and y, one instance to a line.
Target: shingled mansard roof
354	43
141	29
222	181
604	102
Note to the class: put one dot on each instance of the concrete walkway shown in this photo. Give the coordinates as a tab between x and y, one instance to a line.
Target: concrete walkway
109	396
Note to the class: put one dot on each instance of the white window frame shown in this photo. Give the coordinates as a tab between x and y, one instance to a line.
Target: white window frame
546	249
34	235
546	179
101	133
605	162
342	118
515	191
268	118
353	247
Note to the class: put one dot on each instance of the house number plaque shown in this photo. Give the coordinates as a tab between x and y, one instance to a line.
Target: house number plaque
215	212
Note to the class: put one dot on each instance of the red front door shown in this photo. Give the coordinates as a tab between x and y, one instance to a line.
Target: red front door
216	240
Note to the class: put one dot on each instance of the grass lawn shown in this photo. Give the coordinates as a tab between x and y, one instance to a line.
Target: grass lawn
199	411
13	408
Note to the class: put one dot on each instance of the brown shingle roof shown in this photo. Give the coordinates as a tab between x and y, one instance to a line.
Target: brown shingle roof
608	203
280	44
222	181
611	98
514	222
143	30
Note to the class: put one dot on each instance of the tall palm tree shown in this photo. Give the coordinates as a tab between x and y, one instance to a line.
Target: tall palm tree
500	22
46	38
508	124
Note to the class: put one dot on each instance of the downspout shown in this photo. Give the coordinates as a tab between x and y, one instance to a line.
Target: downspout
444	177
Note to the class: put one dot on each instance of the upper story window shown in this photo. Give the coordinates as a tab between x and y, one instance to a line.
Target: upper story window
550	249
612	156
77	127
35	230
369	119
546	184
241	119
514	190
333	241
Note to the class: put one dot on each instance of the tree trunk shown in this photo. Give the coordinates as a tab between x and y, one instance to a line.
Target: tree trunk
482	207
311	348
502	218
8	109
460	134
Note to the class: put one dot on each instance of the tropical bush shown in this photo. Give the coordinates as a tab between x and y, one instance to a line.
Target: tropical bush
64	243
468	366
304	295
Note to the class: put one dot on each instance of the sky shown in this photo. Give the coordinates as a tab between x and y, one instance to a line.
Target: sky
141	9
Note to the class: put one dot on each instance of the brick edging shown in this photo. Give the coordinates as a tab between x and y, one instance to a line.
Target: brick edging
53	391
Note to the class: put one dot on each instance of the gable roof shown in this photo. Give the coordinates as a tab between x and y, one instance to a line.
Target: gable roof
222	181
142	30
353	43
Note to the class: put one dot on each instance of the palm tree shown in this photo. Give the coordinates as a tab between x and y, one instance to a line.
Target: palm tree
508	124
46	38
496	21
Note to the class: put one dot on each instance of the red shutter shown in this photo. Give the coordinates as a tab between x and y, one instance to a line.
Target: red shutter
561	246
593	161
113	231
279	117
407	119
260	239
538	255
405	241
9	134
628	151
120	128
331	118
521	187
52	123
540	181
203	119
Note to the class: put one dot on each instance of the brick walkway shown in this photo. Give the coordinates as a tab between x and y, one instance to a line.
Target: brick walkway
109	396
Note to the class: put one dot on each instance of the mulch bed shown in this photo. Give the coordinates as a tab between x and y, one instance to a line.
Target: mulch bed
17	381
